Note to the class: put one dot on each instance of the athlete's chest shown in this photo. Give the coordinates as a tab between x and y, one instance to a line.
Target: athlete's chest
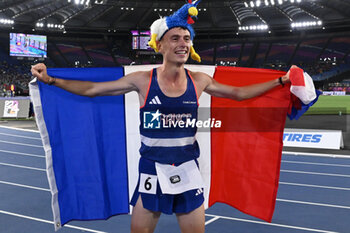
173	89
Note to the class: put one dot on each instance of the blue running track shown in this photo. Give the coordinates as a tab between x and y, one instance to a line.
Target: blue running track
314	196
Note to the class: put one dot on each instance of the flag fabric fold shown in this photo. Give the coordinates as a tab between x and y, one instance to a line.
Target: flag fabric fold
302	85
304	94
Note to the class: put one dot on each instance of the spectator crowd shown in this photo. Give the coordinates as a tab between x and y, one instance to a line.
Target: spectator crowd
17	75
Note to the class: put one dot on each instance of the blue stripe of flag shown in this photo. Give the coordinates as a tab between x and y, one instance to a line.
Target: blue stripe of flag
87	137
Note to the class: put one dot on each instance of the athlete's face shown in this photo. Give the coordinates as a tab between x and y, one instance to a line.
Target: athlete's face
175	45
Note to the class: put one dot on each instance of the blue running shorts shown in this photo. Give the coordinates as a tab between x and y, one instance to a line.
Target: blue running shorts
166	203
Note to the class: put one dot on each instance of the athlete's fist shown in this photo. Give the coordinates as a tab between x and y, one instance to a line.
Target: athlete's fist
40	71
285	78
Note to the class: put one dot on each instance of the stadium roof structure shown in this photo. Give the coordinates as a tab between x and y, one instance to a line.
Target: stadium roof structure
215	17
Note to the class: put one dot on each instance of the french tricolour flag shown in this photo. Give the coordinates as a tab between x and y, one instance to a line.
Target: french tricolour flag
302	85
91	144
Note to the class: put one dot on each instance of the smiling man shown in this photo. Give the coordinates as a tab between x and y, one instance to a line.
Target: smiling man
169	180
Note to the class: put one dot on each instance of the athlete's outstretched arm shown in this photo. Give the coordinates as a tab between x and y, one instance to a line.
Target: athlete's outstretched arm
87	88
217	89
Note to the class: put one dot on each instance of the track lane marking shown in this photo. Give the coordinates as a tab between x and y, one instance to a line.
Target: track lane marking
316	173
21	144
315	186
211	220
19	129
47	221
25	167
24	186
270	224
313	203
321	164
20	153
316	154
20	136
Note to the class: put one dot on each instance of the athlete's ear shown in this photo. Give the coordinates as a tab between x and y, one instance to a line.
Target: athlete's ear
158	43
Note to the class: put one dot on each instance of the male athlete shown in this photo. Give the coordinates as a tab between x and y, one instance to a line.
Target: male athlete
170	84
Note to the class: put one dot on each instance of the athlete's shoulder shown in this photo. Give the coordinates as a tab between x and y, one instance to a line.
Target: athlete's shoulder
198	74
200	77
139	74
201	81
139	79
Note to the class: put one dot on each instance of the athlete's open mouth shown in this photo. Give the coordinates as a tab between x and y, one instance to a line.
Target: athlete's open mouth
181	52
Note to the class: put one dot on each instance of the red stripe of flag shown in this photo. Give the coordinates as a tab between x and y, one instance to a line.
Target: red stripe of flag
246	155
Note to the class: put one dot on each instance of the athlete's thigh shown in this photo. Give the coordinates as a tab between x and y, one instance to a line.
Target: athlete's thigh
143	220
192	222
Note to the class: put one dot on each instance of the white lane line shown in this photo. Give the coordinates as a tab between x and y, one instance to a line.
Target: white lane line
313	203
22	144
321	164
316	154
20	153
211	220
316	173
18	129
19	136
24	186
315	186
20	166
270	224
50	222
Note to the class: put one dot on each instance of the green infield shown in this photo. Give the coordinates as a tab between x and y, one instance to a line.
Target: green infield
331	105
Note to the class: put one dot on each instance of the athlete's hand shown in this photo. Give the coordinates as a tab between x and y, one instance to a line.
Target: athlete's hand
285	78
40	71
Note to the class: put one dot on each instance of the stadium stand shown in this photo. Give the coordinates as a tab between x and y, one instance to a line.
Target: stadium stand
73	52
99	54
227	52
323	56
206	51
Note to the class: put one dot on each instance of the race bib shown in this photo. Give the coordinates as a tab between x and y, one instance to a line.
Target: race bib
148	183
175	180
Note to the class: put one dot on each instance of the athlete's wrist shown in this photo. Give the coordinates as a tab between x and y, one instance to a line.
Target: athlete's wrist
280	80
51	81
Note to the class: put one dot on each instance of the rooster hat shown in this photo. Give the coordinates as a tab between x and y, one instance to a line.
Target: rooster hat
181	18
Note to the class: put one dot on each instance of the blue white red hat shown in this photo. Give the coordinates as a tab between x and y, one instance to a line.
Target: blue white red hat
181	18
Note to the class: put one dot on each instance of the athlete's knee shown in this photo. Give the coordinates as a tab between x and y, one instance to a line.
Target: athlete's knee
136	227
143	220
144	224
192	222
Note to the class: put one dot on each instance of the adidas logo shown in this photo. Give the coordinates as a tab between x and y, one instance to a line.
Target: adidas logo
199	191
155	100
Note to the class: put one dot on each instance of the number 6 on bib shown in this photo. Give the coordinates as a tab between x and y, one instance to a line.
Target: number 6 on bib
148	183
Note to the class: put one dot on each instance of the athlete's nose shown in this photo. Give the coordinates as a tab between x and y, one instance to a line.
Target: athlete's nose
183	42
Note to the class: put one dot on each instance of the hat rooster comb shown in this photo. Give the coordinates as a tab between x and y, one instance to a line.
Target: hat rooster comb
181	18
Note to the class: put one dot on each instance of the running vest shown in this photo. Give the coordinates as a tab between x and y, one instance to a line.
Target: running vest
167	124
